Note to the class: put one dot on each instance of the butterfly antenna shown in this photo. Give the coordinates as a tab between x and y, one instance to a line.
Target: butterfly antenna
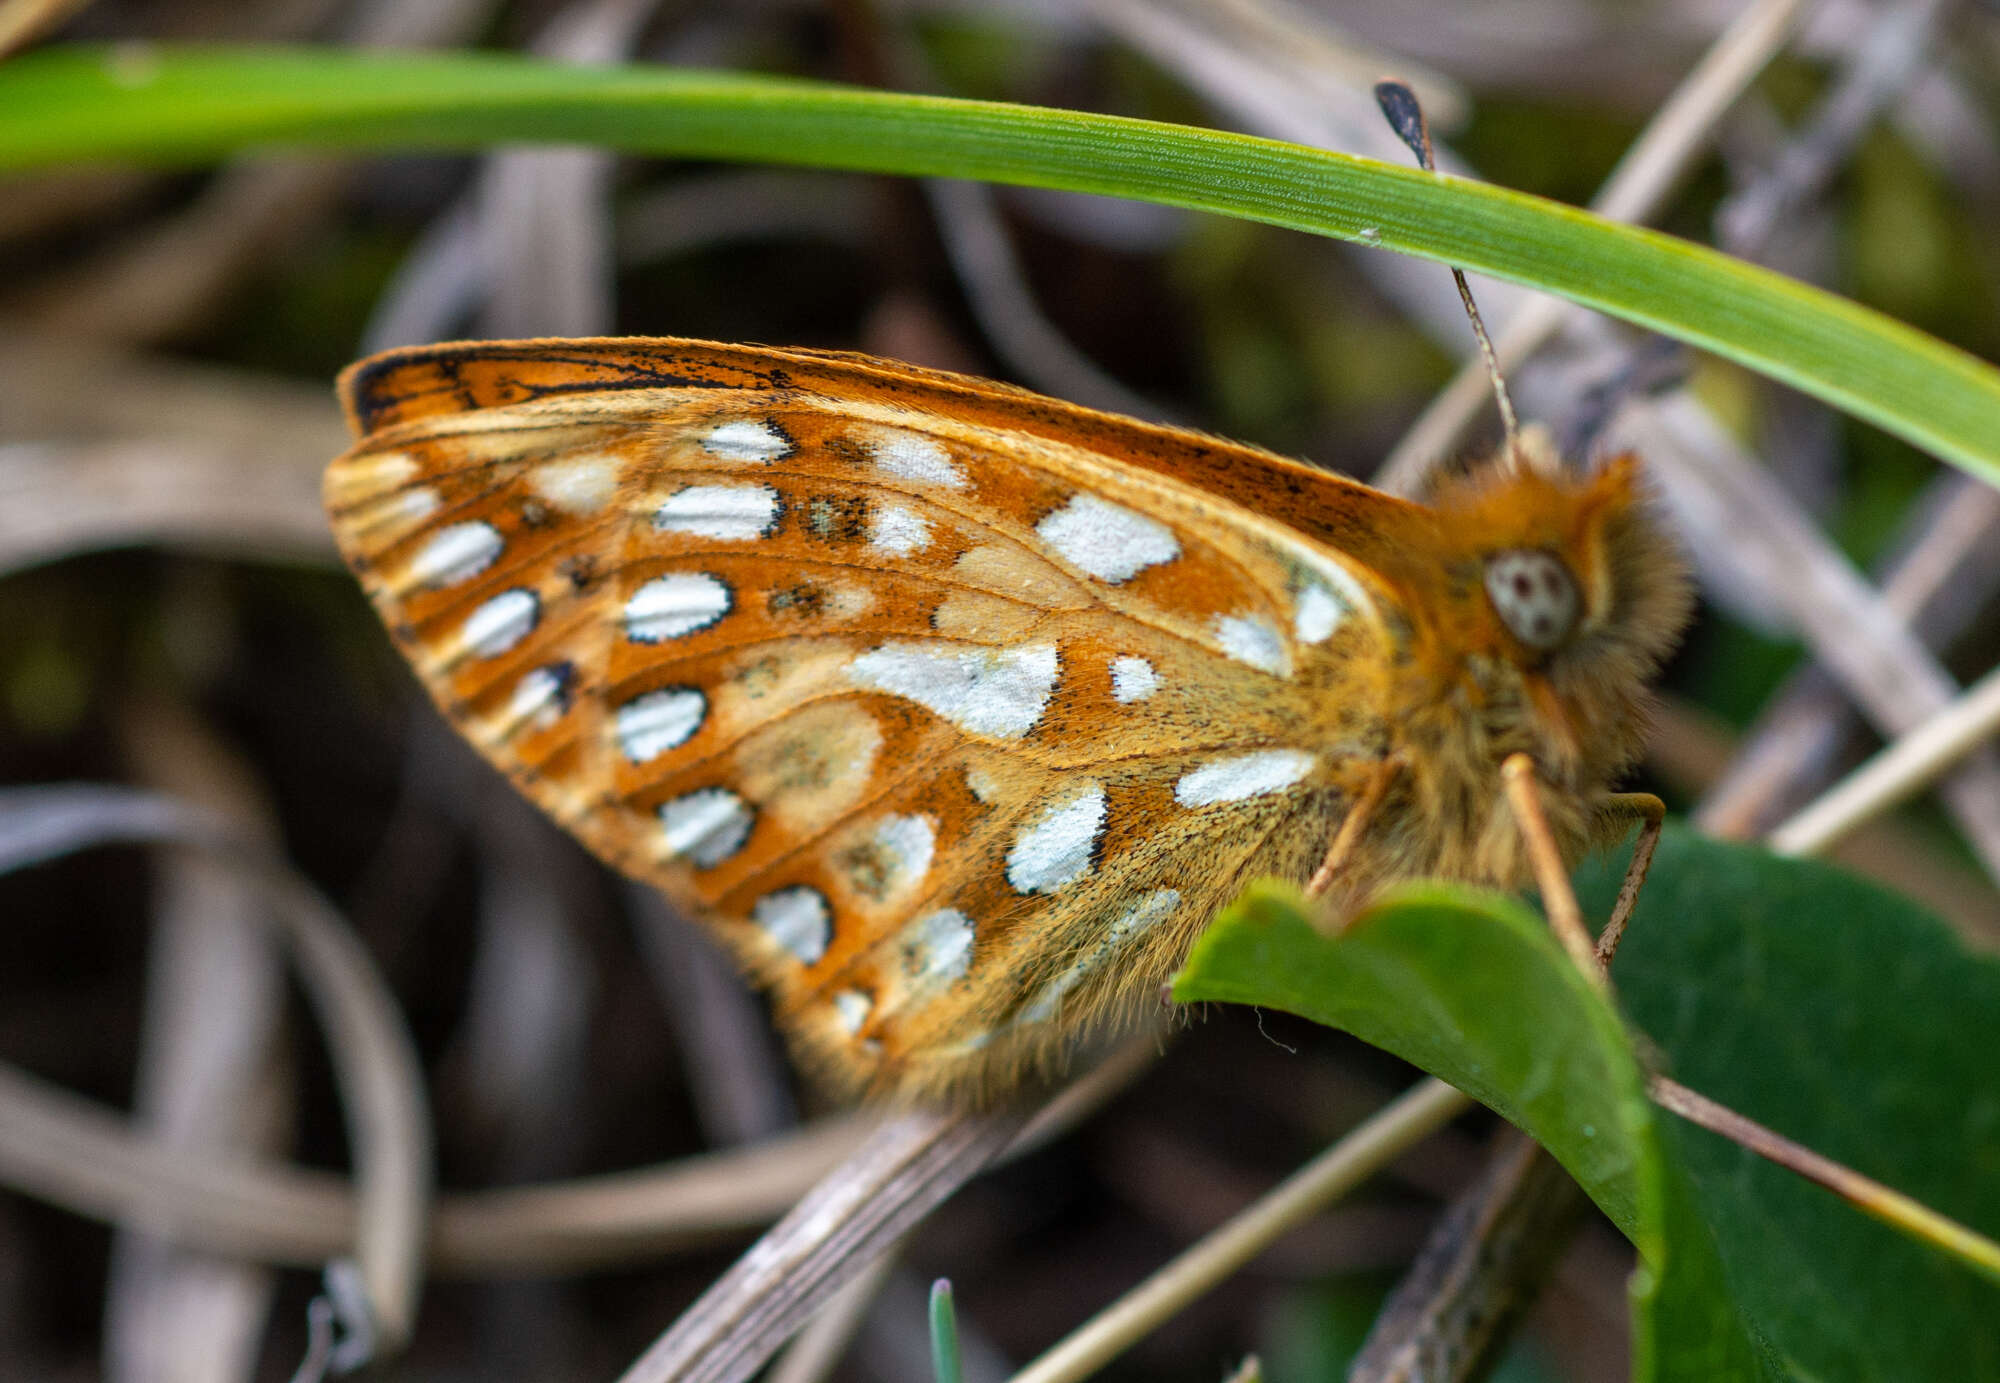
1405	115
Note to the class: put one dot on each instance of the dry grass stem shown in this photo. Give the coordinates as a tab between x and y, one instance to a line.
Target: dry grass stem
22	21
907	1167
648	1213
1865	1194
910	1164
1279	66
373	1059
107	449
544	215
816	1351
61	498
1088	1093
996	289
734	1069
1880	68
85	1157
1410	1118
1946	571
1287	89
170	282
1478	1270
752	204
1691	750
1774	547
1903	769
212	1083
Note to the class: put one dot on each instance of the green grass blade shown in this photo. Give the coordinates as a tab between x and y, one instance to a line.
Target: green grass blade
179	105
946	1366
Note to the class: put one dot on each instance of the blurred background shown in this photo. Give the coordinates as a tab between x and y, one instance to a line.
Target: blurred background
172	616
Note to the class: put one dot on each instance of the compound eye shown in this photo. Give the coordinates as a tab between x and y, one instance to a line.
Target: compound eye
1534	595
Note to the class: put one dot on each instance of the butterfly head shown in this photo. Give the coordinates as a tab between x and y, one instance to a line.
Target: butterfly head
1560	597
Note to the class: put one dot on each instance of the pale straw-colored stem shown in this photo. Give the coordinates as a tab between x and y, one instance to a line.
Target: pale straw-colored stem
1413	1116
1898	772
1864	1193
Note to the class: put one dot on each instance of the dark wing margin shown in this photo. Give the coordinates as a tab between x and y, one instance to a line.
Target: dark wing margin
400	386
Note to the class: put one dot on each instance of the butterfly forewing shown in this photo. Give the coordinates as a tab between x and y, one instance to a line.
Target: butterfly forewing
920	691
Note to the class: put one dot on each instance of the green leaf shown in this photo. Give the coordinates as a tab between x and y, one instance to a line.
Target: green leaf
168	104
1687	1324
1835	1012
1848	1018
1471	987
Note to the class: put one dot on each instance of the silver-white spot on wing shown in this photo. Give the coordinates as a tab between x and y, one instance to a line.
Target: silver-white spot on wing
906	845
731	513
1242	775
676	604
1316	613
798	919
541	697
937	948
914	457
1132	679
898	531
580	485
1349	596
851	1007
456	554
649	725
706	826
1251	639
999	692
1107	540
747	439
1057	847
386	518
500	623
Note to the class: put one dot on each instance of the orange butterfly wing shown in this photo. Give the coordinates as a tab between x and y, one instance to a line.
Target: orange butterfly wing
953	710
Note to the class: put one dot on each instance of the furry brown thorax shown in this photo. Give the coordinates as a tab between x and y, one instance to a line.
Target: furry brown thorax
1467	690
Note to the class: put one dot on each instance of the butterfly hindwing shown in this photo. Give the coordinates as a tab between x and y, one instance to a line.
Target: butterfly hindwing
955	726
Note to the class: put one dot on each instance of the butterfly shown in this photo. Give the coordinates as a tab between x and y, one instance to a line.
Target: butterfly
954	711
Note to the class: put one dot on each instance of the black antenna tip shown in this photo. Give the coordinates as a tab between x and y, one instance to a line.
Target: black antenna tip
1406	117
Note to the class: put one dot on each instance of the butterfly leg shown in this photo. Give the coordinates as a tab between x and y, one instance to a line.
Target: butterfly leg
1551	877
1350	830
1652	815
